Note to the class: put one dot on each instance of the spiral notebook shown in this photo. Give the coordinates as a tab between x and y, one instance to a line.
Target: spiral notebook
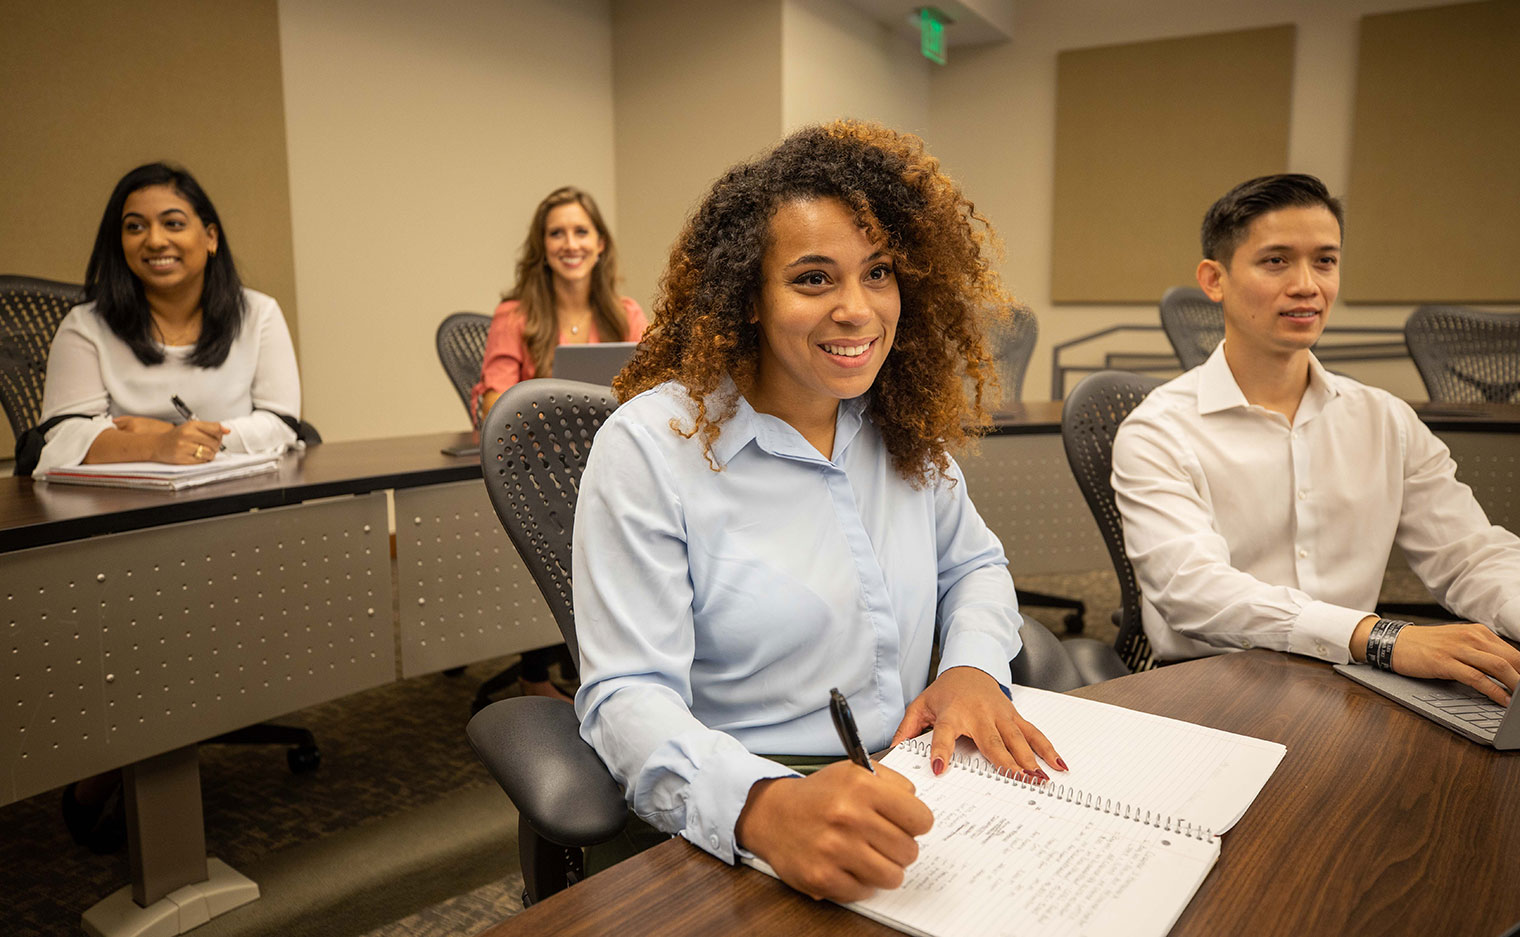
1122	855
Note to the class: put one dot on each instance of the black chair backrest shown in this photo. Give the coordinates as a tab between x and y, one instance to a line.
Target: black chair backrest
533	449
461	341
1466	355
30	310
1089	419
1015	348
1194	324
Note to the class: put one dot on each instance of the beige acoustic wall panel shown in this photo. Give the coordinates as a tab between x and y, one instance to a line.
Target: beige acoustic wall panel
1148	134
1434	193
92	88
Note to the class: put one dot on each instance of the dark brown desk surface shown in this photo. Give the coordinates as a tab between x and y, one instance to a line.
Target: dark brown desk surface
36	513
1376	822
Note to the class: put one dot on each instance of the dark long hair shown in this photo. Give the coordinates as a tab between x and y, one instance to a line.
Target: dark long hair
118	294
534	290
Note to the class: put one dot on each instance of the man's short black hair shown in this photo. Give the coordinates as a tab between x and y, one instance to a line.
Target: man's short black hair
1228	219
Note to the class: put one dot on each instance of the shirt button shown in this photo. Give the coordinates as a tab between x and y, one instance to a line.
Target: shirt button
713	839
1302	494
1319	649
1246	643
1303	553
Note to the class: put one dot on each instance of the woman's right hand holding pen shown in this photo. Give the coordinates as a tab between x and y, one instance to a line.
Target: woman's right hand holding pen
184	443
839	834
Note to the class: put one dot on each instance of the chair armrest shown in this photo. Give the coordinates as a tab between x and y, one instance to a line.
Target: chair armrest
533	748
1094	660
1043	661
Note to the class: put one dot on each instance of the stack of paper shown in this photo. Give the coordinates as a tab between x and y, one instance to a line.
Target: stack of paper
163	476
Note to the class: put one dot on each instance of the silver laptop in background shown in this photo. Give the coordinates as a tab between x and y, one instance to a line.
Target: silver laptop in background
1454	705
596	363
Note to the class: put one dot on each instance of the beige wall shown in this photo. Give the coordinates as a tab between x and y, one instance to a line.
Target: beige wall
837	62
421	138
993	124
697	88
91	88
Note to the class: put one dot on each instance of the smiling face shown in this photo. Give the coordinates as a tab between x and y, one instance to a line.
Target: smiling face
572	245
1280	283
164	242
827	311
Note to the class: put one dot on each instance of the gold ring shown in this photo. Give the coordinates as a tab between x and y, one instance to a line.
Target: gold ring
199	450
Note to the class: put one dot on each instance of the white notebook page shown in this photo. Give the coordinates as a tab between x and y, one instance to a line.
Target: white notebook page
1184	770
1003	859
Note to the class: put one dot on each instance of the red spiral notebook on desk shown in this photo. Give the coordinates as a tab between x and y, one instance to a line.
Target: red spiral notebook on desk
1117	845
163	476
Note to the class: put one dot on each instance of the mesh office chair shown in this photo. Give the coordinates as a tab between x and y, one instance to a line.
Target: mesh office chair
1089	421
535	442
1466	355
461	341
1193	323
30	310
1015	348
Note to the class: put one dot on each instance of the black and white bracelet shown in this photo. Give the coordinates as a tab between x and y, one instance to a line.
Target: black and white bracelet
1380	642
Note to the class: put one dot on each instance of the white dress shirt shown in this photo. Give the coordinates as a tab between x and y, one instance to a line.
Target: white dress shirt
92	372
1246	531
715	609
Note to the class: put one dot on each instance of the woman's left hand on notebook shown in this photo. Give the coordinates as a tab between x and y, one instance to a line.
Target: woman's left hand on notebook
968	702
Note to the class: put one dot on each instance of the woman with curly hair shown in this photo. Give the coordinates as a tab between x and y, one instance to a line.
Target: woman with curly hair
566	293
774	511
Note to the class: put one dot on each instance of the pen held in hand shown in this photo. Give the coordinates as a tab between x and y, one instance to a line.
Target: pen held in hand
844	723
180	407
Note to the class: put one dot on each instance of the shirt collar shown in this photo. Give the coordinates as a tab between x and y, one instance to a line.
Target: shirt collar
1217	390
773	434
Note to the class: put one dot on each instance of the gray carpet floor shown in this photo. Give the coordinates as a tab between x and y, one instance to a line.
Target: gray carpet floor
400	832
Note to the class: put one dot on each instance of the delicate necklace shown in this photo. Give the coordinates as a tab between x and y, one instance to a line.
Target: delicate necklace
181	336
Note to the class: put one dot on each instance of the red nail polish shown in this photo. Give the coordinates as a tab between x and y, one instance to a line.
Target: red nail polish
1039	773
1061	763
938	766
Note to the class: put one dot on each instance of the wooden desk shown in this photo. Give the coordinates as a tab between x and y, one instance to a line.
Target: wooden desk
1376	822
140	622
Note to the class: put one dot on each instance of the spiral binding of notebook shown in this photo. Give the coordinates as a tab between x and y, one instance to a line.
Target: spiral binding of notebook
1067	793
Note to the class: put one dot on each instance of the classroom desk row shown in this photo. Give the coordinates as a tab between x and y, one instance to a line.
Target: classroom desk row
1378	821
139	623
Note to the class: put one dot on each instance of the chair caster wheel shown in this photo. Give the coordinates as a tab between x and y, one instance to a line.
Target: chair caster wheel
303	759
1074	623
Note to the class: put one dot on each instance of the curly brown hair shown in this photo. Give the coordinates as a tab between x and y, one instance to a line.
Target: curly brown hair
702	331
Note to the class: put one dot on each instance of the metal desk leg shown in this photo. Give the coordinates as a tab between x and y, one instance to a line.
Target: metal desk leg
175	887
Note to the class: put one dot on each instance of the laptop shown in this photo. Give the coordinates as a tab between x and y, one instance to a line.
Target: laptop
1454	705
594	363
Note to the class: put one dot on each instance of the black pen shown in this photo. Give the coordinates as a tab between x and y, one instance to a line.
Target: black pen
185	413
839	708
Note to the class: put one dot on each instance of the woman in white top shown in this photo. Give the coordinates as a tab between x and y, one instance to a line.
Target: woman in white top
166	317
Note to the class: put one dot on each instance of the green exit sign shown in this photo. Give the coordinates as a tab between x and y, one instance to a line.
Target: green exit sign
931	32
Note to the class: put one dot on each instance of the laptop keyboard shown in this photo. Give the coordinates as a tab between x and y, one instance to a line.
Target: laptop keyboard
1467	705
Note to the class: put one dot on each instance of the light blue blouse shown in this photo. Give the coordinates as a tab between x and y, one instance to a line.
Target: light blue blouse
716	609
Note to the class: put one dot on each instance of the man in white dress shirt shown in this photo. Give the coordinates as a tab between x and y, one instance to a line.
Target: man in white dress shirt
1262	495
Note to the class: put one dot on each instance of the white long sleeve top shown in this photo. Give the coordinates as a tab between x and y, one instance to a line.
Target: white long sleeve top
1246	531
92	372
